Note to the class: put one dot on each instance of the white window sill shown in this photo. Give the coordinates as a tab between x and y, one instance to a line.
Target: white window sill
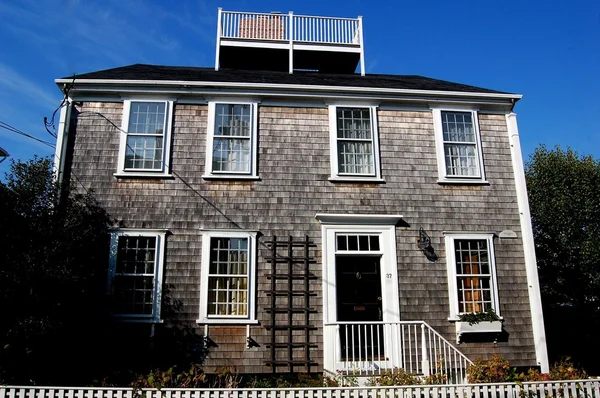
126	319
367	180
230	177
139	174
221	321
462	181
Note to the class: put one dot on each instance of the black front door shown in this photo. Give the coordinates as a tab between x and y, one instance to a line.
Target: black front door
358	286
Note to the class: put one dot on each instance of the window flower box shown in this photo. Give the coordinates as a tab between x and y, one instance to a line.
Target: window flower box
481	327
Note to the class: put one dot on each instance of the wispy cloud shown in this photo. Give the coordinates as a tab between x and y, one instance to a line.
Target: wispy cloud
11	80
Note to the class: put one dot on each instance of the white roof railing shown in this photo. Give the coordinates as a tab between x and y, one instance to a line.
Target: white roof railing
289	30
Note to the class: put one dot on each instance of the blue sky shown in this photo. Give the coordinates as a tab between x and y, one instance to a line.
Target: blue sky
549	51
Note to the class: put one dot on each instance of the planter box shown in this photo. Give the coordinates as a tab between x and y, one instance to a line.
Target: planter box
481	327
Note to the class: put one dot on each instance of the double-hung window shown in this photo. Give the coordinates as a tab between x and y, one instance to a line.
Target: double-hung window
145	138
458	146
471	273
231	140
135	274
354	143
228	277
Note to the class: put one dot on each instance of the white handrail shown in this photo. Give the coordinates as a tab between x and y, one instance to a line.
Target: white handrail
369	348
275	26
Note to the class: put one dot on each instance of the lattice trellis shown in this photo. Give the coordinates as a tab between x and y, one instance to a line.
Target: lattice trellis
290	326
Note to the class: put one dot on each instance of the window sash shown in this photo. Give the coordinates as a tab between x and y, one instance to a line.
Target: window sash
461	155
133	283
228	277
231	154
357	243
474	284
355	146
146	133
232	139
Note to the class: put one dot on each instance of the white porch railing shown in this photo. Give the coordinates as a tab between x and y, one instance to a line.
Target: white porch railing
369	348
558	389
289	27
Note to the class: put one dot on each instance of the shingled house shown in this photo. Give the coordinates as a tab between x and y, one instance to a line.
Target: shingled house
309	218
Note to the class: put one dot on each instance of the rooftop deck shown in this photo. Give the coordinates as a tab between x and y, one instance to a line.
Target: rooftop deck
288	42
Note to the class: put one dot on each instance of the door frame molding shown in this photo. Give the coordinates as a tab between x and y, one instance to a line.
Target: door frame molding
385	227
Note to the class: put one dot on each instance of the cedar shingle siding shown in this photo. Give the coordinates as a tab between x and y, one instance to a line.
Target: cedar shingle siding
294	167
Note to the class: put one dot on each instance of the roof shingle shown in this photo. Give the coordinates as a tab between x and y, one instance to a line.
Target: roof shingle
199	74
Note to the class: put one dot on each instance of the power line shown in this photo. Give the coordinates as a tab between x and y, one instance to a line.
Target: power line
10	128
50	123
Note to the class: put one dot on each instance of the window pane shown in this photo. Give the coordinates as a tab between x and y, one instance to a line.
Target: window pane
458	126
231	154
341	242
354	123
461	160
144	152
353	242
227	296
147	118
374	241
232	120
363	242
355	157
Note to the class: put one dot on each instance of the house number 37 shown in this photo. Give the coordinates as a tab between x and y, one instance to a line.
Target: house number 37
388	276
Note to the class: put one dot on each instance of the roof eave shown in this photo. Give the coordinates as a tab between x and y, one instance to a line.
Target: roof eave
344	89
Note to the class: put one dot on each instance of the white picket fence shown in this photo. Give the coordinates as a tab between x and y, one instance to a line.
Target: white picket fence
560	389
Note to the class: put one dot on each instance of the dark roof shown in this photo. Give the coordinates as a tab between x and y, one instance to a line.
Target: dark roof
188	73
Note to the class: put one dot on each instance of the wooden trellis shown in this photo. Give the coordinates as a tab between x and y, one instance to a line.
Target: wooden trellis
290	308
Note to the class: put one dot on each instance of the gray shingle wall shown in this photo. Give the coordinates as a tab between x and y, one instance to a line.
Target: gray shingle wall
294	170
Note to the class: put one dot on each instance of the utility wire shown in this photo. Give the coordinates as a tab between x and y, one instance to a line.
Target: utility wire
50	123
210	203
195	191
8	127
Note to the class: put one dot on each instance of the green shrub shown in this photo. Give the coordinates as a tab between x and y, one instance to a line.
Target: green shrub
398	377
566	370
172	378
476	317
494	370
498	370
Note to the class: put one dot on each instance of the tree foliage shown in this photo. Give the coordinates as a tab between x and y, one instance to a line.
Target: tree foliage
52	269
56	327
564	195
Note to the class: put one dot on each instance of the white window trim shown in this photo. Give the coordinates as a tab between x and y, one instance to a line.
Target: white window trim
439	145
166	161
333	145
451	269
158	270
253	173
204	268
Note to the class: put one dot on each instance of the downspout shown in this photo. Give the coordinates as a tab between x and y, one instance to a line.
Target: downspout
62	139
533	282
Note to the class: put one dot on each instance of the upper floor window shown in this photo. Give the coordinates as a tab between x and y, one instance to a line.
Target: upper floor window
228	277
471	273
458	146
135	273
354	143
146	138
231	140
